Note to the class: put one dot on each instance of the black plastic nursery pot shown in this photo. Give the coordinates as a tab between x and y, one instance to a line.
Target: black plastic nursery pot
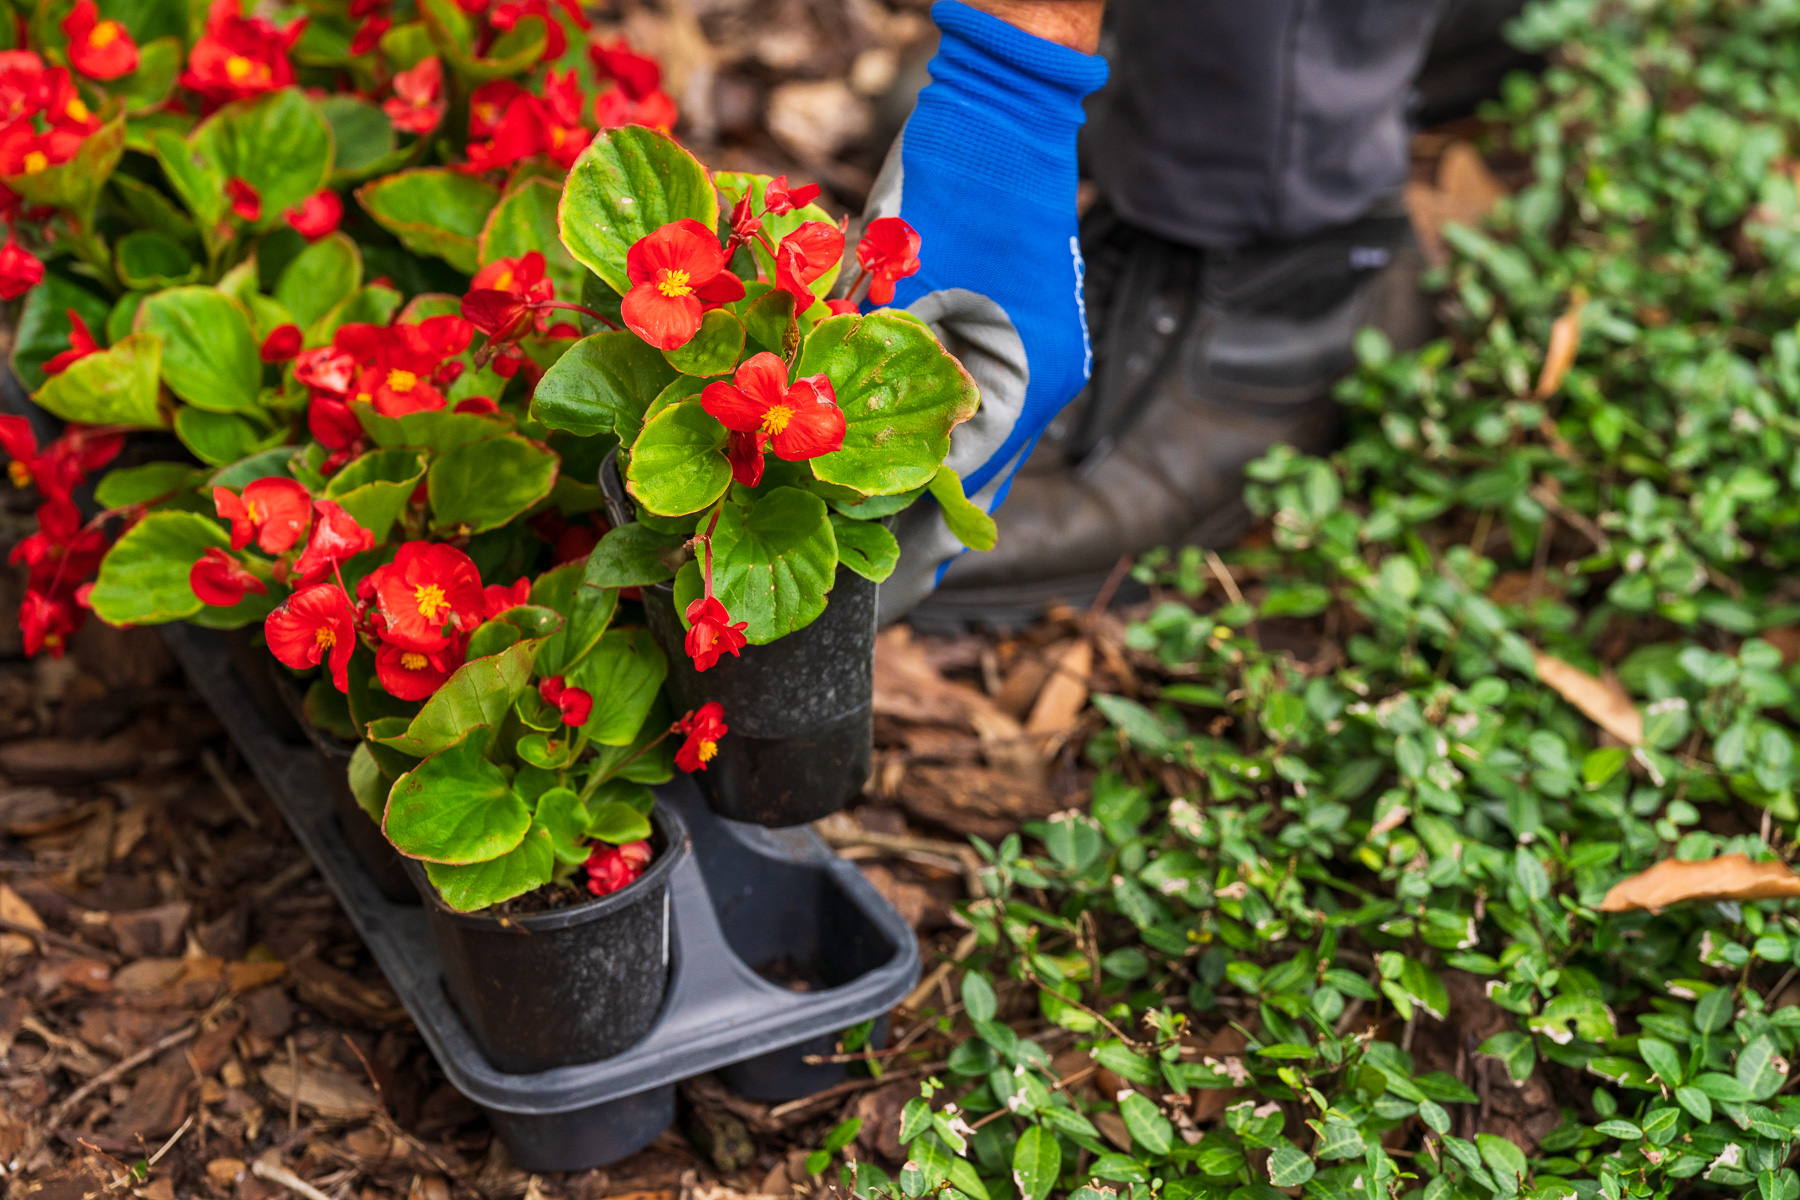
257	670
567	985
800	709
776	946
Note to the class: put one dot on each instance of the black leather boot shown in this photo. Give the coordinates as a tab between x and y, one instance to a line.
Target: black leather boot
1203	360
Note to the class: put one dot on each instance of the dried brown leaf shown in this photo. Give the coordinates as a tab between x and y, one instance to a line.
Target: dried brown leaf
1602	701
1463	193
1728	877
1565	340
326	1090
1065	693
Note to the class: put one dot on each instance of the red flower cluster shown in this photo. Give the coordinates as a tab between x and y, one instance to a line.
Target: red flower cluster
610	868
637	97
399	369
702	727
677	273
43	119
65	551
508	124
760	409
575	704
274	512
508	299
239	56
888	253
98	49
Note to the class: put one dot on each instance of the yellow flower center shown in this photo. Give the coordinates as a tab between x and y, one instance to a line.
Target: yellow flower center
35	162
504	281
777	418
77	110
557	136
104	35
401	381
250	513
324	638
19	473
673	284
430	599
238	68
53	640
413	661
707	751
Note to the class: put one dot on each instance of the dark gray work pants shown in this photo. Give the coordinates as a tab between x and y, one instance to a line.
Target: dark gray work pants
1237	121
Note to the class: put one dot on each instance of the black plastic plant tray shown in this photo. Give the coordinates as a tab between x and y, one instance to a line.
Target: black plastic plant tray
779	899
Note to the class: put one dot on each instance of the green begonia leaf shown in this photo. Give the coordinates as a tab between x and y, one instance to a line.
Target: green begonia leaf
117	386
866	547
525	220
773	561
479	486
629	182
712	351
477	693
678	462
623	673
376	487
602	384
434	211
634	555
209	350
526	867
144	577
320	277
586	609
456	806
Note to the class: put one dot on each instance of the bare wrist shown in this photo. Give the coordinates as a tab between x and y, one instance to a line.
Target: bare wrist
1071	23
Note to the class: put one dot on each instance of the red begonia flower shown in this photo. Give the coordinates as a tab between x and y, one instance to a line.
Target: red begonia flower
613	108
517	135
47	622
331	421
889	252
239	56
81	344
670	270
408	674
505	15
246	201
575	704
703	728
778	197
274	511
610	868
488	105
842	308
282	344
745	222
711	633
62	464
316	216
428	588
496	599
314	625
367	37
476	404
98	49
803	256
744	451
335	538
20	271
418	103
802	421
221	580
637	74
326	369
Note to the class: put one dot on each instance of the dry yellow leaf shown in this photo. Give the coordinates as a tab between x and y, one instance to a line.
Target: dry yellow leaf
1462	193
1065	693
1728	877
1602	701
1565	340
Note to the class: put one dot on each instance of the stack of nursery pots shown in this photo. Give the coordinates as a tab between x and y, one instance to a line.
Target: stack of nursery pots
541	471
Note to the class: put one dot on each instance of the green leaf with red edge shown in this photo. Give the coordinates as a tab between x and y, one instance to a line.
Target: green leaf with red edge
477	693
364	138
526	867
321	276
602	384
456	807
677	463
117	386
624	672
774	560
712	351
901	394
480	486
209	351
525	220
627	183
586	609
440	431
434	211
144	577
375	488
219	439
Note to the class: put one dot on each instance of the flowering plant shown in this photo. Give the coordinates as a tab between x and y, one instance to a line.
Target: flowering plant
764	430
173	192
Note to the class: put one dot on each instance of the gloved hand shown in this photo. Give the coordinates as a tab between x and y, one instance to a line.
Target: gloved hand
985	171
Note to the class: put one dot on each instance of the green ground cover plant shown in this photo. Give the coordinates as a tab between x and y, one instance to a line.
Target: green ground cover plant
1354	795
